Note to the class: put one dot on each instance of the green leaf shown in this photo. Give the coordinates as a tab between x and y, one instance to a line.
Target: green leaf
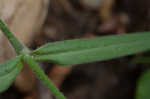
8	71
143	86
71	52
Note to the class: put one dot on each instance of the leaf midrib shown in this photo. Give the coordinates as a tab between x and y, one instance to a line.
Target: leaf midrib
94	48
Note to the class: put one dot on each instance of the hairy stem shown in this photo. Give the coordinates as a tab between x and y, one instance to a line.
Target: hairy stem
21	49
29	60
10	36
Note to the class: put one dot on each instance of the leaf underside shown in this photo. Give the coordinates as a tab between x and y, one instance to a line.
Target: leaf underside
8	71
70	52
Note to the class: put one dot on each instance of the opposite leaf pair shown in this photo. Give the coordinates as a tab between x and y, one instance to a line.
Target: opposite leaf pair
69	52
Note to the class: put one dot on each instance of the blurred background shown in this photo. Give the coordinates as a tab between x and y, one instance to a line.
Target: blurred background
37	22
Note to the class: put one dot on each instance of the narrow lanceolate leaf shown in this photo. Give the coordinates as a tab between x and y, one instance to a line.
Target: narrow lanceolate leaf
71	52
8	72
143	86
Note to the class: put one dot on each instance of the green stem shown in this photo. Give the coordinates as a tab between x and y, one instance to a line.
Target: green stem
10	36
29	60
21	49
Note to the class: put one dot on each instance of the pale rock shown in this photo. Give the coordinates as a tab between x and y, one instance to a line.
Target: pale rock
24	18
94	4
